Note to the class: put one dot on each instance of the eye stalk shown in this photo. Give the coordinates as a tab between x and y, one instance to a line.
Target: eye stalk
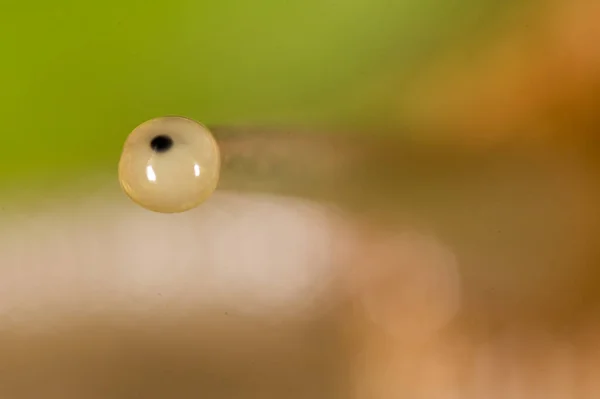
170	164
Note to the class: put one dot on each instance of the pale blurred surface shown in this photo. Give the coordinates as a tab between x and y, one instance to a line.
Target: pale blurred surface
101	298
256	295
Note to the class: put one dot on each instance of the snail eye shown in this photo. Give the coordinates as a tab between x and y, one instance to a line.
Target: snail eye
169	164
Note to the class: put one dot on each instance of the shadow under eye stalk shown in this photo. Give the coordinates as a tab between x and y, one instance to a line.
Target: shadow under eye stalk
161	143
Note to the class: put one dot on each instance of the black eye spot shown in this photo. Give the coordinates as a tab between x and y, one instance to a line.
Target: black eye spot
161	143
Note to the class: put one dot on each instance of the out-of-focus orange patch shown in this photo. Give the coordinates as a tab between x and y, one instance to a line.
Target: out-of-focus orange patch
537	79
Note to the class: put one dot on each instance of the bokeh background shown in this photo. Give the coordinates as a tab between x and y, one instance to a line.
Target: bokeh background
77	77
493	107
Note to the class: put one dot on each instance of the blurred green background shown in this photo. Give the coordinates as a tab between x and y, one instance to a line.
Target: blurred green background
76	77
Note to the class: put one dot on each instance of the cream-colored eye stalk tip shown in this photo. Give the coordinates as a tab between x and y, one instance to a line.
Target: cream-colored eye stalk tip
170	164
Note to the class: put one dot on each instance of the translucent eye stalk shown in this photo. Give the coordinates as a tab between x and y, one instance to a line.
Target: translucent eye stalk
170	164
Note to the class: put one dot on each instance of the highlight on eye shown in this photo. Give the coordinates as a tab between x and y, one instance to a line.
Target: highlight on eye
169	164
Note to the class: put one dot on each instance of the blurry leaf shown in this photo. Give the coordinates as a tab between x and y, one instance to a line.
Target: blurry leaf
76	77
